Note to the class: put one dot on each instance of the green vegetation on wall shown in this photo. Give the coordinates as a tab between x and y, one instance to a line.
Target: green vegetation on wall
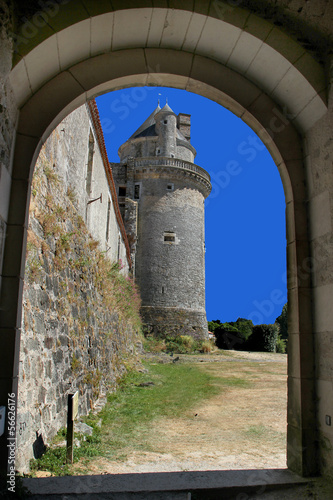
65	244
80	311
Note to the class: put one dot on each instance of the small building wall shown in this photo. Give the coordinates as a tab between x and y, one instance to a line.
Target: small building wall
73	336
68	148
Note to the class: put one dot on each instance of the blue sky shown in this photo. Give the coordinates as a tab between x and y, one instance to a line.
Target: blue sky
245	212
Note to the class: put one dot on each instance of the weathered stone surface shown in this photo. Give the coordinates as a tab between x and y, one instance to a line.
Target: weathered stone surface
172	321
2	239
83	428
164	216
71	339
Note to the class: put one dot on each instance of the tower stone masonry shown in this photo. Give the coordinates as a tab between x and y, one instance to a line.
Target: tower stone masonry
161	194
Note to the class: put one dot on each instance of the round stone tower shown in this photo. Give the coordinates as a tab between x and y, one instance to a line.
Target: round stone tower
158	174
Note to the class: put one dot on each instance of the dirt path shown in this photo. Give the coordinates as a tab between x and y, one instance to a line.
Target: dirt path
243	427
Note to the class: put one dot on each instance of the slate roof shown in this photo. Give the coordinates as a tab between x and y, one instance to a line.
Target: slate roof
167	108
147	129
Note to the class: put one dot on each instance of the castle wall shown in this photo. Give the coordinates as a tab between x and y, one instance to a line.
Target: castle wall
184	152
166	223
139	147
74	336
151	146
171	274
174	321
177	266
309	23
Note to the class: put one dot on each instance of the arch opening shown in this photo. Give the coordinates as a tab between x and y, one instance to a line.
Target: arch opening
109	128
270	144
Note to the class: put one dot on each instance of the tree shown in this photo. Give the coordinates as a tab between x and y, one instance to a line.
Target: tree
233	335
244	326
282	321
213	325
264	338
228	336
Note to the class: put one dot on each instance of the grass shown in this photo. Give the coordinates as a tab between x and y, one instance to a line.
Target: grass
167	390
129	412
256	431
235	406
54	459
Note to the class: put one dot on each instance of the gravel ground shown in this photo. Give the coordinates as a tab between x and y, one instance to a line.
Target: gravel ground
217	357
239	428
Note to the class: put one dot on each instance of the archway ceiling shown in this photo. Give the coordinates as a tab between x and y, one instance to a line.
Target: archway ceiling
249	46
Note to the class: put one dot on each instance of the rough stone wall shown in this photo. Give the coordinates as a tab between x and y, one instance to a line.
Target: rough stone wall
174	321
80	313
305	20
149	146
119	173
177	266
319	149
8	116
171	274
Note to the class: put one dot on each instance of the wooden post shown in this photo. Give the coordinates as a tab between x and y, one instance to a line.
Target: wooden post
73	400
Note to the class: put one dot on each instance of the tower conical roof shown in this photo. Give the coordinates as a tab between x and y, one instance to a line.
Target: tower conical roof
167	109
147	126
147	129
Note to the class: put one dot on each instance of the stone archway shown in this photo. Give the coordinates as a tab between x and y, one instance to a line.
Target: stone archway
206	53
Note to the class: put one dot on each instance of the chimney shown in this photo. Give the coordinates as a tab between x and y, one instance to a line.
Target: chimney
184	125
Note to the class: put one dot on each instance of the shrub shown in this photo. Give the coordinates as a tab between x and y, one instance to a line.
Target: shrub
264	338
280	345
34	269
178	344
181	344
153	344
206	346
282	321
229	337
244	326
